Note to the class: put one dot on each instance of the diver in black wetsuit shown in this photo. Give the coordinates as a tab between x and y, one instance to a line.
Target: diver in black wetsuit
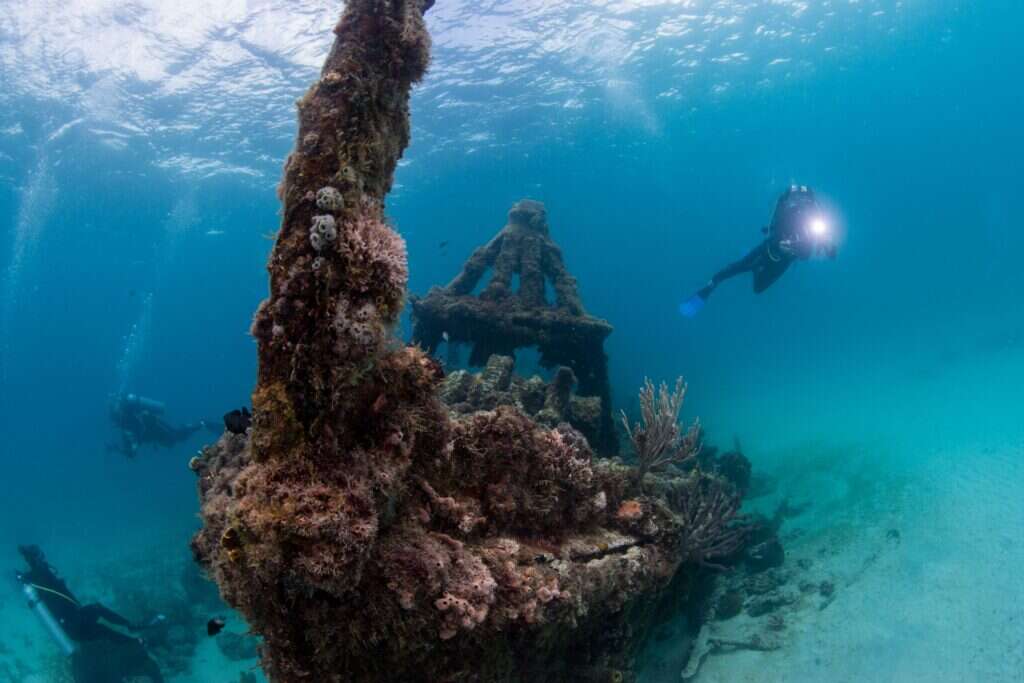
100	654
798	230
139	422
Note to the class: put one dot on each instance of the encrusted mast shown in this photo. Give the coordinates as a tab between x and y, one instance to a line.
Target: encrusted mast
502	318
340	410
338	271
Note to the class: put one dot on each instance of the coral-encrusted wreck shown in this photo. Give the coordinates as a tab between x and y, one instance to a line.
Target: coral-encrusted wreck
502	318
548	403
362	530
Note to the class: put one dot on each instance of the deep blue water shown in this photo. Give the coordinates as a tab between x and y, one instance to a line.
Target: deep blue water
659	157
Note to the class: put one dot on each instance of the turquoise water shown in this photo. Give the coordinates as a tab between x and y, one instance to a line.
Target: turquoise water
139	148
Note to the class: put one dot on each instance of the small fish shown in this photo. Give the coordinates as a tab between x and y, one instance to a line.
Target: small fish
444	335
444	244
214	233
237	421
214	626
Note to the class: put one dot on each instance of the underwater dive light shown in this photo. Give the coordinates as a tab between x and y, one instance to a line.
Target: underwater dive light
819	227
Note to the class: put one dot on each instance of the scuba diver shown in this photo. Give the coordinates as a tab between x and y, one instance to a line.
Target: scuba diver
139	421
799	230
99	654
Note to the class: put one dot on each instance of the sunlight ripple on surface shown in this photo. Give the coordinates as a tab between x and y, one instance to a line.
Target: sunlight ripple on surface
196	71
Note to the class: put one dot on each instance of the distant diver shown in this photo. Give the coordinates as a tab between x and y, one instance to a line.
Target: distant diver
139	421
799	229
99	653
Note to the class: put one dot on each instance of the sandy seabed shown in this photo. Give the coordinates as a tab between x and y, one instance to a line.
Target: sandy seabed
918	526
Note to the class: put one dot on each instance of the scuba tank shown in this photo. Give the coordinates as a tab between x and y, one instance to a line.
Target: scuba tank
148	404
790	230
790	209
36	604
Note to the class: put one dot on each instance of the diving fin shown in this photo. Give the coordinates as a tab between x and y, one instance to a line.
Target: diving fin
692	306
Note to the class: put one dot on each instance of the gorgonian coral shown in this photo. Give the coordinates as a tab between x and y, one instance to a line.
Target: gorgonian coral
711	526
658	440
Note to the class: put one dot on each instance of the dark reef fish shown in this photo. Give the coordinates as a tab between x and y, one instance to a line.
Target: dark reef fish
214	626
237	421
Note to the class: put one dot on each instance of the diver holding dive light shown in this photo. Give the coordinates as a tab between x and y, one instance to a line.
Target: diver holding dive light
798	230
99	654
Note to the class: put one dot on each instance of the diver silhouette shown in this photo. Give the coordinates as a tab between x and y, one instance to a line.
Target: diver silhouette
99	654
799	230
139	421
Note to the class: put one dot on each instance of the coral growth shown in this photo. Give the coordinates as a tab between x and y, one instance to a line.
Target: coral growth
323	232
711	526
367	533
658	440
510	528
501	320
324	327
548	403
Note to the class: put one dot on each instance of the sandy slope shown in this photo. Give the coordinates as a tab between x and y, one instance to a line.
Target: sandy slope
941	601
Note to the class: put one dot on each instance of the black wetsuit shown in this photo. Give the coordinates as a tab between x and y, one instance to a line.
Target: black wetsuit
104	655
139	425
786	241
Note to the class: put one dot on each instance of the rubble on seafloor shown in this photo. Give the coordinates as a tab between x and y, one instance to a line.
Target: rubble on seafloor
366	531
183	598
755	606
750	611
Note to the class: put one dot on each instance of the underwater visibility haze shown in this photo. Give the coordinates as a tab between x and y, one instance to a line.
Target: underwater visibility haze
454	468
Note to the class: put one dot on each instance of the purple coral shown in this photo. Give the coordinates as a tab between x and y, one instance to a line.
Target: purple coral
470	591
376	254
658	440
711	528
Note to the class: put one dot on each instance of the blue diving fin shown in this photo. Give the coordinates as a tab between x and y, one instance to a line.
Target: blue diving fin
692	306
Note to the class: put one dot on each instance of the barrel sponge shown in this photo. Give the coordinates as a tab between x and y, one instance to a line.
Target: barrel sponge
357	328
323	231
329	199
